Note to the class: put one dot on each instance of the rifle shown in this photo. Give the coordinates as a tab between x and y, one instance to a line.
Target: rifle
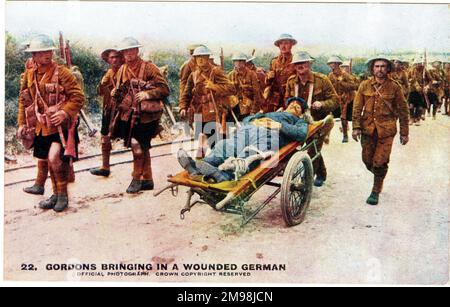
351	66
67	56
222	59
424	74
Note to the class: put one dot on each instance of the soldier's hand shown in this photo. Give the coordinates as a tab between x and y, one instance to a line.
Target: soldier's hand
183	114
271	74
356	134
58	118
20	131
404	140
114	92
141	96
317	105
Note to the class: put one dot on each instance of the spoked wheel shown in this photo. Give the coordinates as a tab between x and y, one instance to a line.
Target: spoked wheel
296	188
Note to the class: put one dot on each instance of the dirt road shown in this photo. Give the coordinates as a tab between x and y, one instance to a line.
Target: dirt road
403	240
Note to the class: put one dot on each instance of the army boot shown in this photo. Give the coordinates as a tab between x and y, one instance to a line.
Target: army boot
345	131
134	187
372	199
48	203
138	165
62	203
104	170
42	173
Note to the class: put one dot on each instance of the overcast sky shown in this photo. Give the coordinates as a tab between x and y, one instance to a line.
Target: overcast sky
345	28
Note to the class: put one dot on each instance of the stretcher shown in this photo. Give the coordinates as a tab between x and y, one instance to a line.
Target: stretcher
232	196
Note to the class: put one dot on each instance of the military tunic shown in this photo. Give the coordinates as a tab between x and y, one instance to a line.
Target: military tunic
248	94
345	86
375	111
274	93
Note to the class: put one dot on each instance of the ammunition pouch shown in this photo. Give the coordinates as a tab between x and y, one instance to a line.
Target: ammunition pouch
26	97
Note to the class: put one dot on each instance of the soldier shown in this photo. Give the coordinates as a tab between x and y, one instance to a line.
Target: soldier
418	85
322	99
399	75
447	88
248	98
207	91
260	73
115	59
379	102
436	90
49	102
280	70
139	91
345	86
187	68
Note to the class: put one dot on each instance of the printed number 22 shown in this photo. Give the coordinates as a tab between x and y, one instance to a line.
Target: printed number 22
28	267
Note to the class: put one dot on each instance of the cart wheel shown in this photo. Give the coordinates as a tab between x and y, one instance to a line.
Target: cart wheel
296	188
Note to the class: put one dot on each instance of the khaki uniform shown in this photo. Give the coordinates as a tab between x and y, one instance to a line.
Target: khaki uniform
186	69
248	94
375	111
56	85
261	74
147	126
195	94
345	86
274	91
401	77
324	92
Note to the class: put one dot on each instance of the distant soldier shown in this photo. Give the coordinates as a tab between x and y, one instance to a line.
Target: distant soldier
419	78
187	68
345	85
260	73
322	99
447	88
207	92
379	102
399	75
436	90
279	72
247	100
49	102
109	81
140	91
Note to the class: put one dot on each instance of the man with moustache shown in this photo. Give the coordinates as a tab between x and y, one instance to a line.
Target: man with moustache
280	70
115	59
49	102
140	91
317	90
379	102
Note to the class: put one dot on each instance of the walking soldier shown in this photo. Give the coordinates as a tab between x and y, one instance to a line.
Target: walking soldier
345	86
321	97
207	92
115	59
419	79
49	102
247	100
379	102
139	92
280	70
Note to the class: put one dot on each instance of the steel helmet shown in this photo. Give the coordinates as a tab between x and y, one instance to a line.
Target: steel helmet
239	57
41	43
302	56
285	37
128	43
334	59
201	50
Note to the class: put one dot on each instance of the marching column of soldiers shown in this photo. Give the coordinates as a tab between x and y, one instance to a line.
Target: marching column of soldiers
133	93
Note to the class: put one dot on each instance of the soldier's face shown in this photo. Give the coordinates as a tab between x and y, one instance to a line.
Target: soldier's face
447	65
239	64
285	46
335	66
397	65
380	69
346	69
202	60
130	55
303	68
43	57
114	59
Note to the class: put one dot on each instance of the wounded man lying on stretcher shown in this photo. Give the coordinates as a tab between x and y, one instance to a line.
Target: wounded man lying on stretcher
259	137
